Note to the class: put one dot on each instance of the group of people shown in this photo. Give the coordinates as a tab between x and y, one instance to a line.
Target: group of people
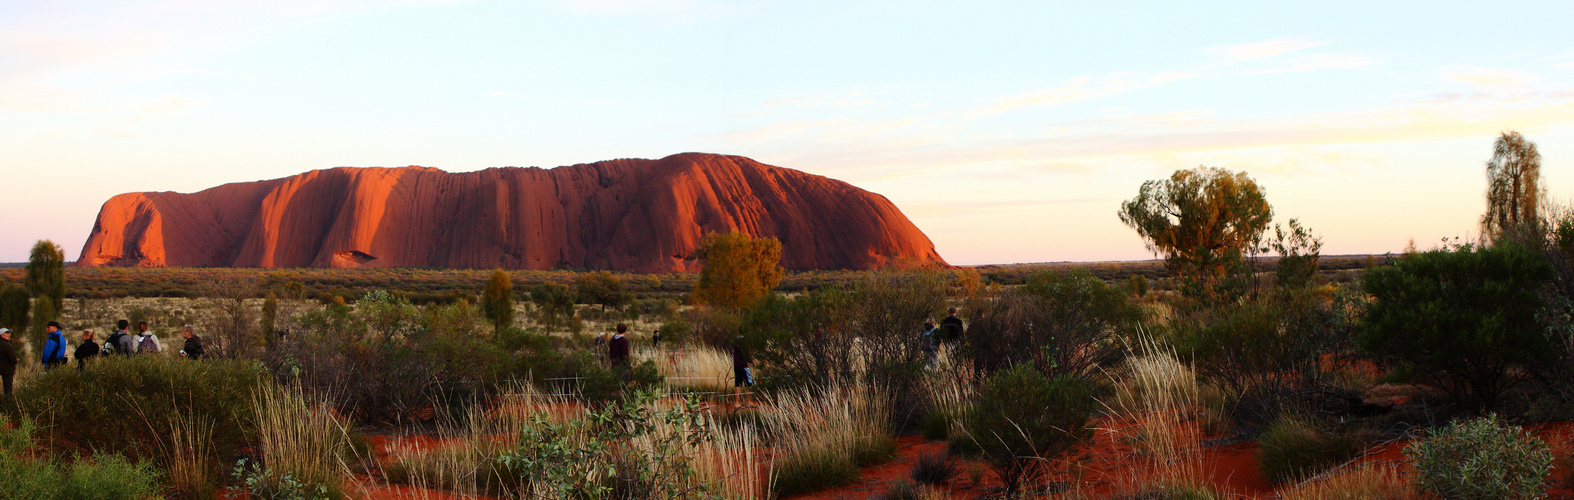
121	342
950	330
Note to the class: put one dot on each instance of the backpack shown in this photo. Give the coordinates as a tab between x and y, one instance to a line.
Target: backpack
147	344
112	344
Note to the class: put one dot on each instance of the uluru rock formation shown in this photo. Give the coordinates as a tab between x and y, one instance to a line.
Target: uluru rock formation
632	215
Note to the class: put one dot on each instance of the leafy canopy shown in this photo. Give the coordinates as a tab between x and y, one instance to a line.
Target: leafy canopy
1202	221
739	271
498	300
1513	190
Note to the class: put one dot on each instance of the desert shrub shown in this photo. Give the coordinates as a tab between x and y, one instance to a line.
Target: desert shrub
144	395
675	331
104	476
802	340
382	358
1245	345
603	288
1059	323
886	312
1295	447
1022	417
1466	316
934	468
554	303
1480	459
624	450
264	484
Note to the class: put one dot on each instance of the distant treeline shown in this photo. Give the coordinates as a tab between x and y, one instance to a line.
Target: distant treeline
427	285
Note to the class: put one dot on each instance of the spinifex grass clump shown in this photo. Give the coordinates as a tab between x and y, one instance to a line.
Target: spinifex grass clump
1159	393
1356	484
824	435
300	440
1294	447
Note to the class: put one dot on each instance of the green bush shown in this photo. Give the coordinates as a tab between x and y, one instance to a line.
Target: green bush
1467	317
1480	459
1294	447
1022	416
105	476
128	405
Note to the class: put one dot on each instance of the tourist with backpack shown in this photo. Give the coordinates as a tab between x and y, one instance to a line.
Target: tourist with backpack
147	342
128	343
112	345
54	346
86	350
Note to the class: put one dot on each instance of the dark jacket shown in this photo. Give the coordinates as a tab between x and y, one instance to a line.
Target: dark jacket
618	349
741	357
7	358
193	347
953	327
88	349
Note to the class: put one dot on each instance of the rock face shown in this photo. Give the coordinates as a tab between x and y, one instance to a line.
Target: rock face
632	215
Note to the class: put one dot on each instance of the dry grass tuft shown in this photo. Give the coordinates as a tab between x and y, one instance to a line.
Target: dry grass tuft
1377	481
702	368
301	439
822	436
191	463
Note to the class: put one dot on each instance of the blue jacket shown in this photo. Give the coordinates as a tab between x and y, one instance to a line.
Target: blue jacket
50	346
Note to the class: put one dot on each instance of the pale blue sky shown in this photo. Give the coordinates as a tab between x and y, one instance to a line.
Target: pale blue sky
1008	131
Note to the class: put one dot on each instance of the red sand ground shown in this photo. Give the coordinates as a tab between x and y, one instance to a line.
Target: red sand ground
1106	465
1112	467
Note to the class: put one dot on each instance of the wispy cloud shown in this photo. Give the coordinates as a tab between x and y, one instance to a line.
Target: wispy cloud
679	11
1231	54
1317	62
873	149
1083	88
1489	77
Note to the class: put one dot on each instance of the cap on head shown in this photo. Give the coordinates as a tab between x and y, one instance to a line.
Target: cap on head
5	331
55	324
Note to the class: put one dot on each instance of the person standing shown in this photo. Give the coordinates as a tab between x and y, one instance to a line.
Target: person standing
953	327
193	347
926	343
7	361
655	339
146	341
86	350
129	343
112	344
618	347
741	361
54	346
